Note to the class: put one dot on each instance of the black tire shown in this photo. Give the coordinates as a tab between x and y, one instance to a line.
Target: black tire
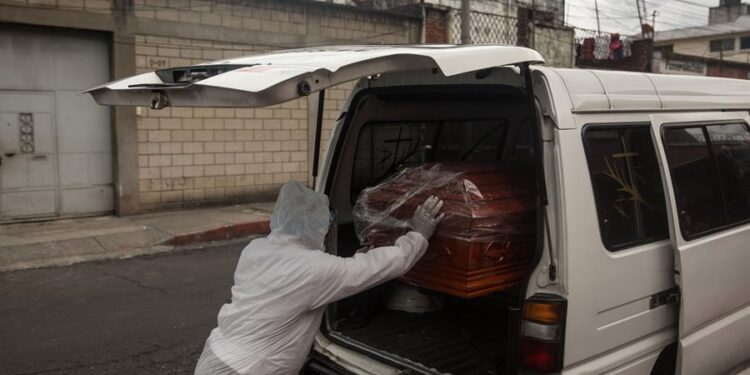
667	361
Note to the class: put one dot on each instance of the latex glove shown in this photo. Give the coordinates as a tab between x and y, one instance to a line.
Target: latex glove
426	217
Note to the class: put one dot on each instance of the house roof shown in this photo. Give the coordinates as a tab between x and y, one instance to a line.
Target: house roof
737	26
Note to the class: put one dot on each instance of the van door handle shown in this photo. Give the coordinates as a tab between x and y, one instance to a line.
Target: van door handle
10	154
667	297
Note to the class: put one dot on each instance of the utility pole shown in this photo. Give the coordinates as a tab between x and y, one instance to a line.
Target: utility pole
643	16
465	22
651	35
640	16
598	26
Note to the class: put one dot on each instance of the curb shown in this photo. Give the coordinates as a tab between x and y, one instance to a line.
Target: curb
174	244
221	234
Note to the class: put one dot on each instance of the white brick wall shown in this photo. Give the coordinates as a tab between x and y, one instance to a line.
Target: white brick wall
195	156
93	6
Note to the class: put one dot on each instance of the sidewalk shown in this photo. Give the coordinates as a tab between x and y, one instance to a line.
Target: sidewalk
67	241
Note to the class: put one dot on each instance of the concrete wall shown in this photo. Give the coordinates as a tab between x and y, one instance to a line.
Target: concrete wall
725	14
666	64
555	44
497	7
180	157
728	71
435	25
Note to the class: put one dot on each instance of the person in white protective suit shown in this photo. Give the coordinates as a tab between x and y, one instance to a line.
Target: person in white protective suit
284	281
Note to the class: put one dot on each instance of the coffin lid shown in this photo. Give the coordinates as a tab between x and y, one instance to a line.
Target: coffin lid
262	80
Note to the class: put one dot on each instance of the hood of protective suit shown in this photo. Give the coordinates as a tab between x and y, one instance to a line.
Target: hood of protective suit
301	216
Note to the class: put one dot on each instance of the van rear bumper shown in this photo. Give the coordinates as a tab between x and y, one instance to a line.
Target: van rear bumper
343	360
319	364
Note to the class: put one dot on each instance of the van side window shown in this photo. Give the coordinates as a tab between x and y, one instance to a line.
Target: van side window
710	168
627	185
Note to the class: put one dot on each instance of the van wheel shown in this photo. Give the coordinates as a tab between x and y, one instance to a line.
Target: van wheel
667	361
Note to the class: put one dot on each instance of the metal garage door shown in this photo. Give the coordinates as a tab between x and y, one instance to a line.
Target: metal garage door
55	144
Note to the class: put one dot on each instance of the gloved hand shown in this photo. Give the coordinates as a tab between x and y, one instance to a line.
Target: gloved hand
426	217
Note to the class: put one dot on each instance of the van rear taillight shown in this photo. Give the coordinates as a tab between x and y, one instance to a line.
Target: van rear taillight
540	356
541	346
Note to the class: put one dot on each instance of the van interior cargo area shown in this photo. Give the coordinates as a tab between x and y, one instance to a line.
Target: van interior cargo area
386	131
464	337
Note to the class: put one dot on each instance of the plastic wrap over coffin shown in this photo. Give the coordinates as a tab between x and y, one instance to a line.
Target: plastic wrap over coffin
485	242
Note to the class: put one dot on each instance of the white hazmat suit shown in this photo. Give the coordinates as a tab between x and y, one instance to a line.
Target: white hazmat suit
283	283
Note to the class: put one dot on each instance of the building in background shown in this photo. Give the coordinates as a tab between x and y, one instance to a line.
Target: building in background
63	155
537	24
612	51
721	48
727	11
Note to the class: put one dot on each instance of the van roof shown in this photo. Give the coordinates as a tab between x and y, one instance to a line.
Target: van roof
599	90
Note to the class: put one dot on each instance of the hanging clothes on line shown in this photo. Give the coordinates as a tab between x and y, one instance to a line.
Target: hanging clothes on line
615	47
627	50
587	49
601	50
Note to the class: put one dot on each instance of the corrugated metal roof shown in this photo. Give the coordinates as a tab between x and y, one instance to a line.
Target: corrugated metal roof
739	25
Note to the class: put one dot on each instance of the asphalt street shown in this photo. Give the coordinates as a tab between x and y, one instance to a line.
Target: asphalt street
148	315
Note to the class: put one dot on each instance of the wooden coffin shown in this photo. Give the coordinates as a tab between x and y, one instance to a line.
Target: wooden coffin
486	241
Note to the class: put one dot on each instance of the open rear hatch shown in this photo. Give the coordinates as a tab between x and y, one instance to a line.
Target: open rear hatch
263	80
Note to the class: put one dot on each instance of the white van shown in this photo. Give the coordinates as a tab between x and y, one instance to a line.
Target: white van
643	221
